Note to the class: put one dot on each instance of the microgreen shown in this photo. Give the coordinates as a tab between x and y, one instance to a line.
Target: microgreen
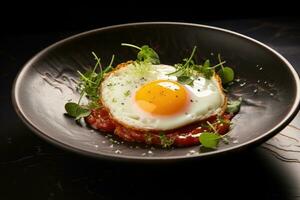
209	139
77	111
234	106
165	141
211	126
90	80
145	54
88	86
226	73
188	70
184	71
185	80
206	69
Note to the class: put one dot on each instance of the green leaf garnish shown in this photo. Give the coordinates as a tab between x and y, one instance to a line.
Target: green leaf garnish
90	80
76	111
88	86
209	139
188	71
185	71
185	80
145	54
234	106
206	70
206	63
93	105
226	73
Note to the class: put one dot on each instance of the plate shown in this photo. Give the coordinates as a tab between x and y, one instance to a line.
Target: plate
266	81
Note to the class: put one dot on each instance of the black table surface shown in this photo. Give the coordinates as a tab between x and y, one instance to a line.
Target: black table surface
31	168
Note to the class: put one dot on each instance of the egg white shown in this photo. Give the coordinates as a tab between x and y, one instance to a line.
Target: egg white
206	98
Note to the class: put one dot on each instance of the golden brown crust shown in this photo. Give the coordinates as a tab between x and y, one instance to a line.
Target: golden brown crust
224	106
121	65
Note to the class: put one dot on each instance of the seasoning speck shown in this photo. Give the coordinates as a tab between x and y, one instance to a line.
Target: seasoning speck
118	151
191	152
243	84
235	141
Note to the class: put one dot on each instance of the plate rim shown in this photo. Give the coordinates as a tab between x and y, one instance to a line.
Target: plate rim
119	157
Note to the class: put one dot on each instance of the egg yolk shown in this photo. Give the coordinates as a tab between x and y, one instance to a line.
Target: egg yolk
161	97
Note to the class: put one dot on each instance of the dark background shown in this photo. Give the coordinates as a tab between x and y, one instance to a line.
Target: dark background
23	17
30	168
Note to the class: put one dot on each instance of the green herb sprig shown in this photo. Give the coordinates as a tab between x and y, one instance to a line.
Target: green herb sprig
145	54
88	86
90	80
226	73
76	111
184	71
188	70
211	139
234	106
165	141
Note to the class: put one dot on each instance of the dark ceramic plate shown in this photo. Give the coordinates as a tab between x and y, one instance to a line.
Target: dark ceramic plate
267	82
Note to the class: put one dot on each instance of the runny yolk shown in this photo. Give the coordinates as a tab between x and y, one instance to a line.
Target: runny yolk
161	97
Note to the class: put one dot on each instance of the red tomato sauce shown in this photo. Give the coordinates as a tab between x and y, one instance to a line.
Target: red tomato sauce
100	119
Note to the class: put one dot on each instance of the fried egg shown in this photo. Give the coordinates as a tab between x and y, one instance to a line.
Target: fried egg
145	97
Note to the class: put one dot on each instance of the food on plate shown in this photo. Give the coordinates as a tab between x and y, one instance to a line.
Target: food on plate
148	102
